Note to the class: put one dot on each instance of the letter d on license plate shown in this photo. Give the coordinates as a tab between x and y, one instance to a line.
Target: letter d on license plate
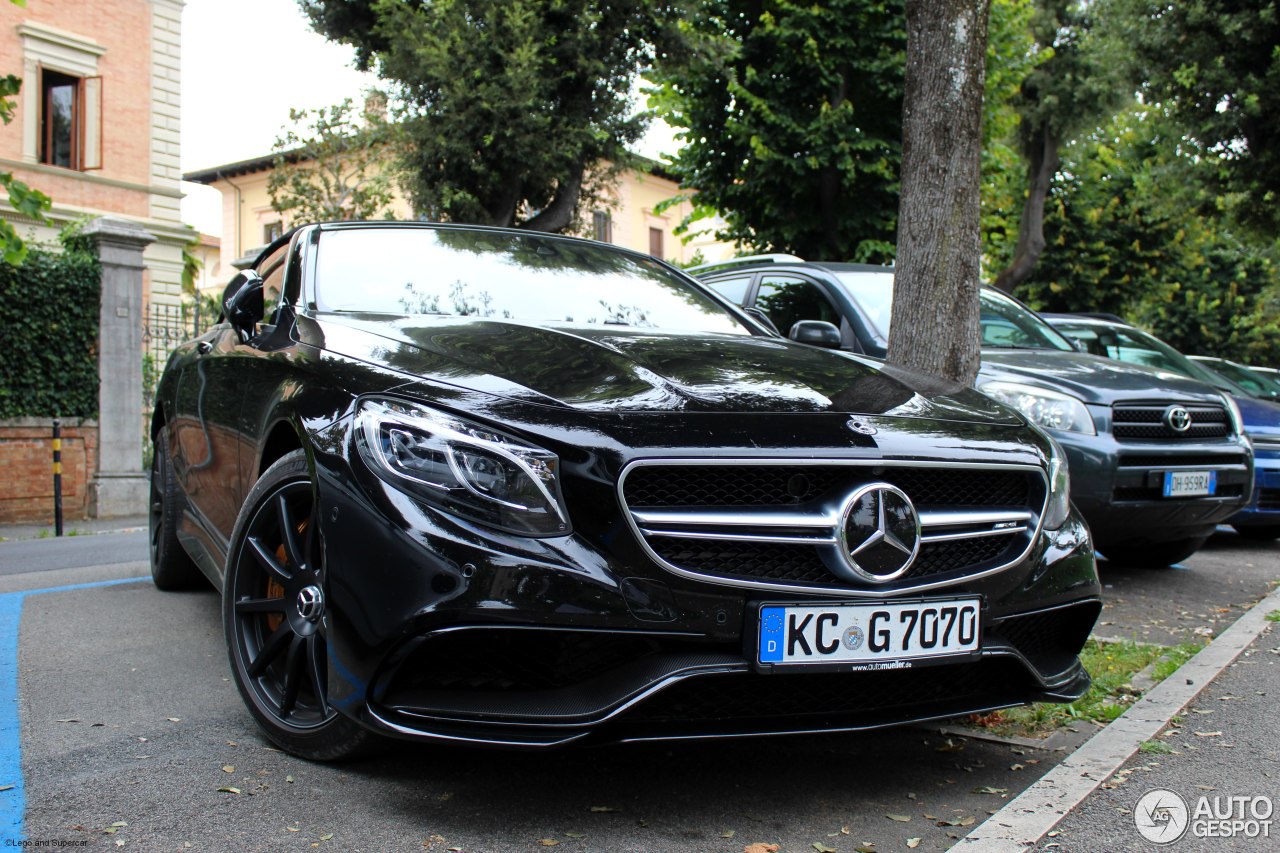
857	633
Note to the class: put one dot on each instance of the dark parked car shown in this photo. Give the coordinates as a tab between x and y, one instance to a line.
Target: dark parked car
498	487
1257	385
1157	461
1261	418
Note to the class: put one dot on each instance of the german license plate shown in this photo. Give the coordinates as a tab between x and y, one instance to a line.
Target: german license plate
868	633
1189	484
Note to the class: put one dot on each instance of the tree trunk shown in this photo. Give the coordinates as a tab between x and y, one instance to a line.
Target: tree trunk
934	328
558	215
1042	165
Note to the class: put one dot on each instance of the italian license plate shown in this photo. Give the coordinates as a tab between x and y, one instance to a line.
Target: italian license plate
1189	484
868	634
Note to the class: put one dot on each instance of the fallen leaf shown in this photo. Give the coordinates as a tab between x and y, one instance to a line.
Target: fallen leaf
728	833
548	842
1208	734
900	818
68	720
119	842
6	787
110	830
602	809
98	725
968	821
294	828
229	790
950	745
228	768
232	743
866	847
760	847
1017	766
174	719
289	779
120	823
823	848
913	843
575	835
987	789
326	836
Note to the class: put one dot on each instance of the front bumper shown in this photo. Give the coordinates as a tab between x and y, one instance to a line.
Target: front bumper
1264	506
441	630
1118	486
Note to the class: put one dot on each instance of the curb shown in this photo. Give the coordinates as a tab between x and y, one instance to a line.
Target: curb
1025	819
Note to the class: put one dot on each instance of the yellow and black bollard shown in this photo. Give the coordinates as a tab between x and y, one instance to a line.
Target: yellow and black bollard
57	477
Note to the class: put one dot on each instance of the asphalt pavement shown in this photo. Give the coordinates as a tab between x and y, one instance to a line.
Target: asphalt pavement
126	727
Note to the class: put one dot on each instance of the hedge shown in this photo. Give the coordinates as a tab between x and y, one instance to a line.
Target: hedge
49	334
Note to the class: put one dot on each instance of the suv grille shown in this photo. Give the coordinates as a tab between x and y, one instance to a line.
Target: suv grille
1145	422
776	525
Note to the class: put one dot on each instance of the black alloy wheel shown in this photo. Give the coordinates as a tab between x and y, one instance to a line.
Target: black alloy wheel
274	616
171	566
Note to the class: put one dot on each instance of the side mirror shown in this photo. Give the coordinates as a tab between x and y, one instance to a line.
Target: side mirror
242	302
818	333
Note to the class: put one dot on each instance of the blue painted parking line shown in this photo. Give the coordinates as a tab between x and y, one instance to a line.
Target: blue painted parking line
13	796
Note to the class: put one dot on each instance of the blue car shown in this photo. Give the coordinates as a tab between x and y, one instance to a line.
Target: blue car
1261	418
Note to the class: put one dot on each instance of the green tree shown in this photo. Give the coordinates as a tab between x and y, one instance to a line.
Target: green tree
510	105
22	198
1120	241
791	119
1077	82
334	164
1216	66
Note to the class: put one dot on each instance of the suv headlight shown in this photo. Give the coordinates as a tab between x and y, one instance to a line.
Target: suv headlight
1058	506
1044	408
463	467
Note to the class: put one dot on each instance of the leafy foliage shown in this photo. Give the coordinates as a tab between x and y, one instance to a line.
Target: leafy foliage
1120	241
1217	67
509	104
792	123
332	165
49	311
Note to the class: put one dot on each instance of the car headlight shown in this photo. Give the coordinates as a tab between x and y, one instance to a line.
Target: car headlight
463	467
1058	506
1233	410
1044	408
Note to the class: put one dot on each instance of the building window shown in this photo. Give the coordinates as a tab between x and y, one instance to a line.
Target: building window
271	232
655	242
602	226
70	120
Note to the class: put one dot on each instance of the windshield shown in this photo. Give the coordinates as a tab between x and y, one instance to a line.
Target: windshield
507	277
1255	384
1137	347
1005	322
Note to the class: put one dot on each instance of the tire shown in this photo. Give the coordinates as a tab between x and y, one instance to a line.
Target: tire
1263	532
279	655
1153	555
171	566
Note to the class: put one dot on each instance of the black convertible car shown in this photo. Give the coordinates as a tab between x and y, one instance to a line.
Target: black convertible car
499	487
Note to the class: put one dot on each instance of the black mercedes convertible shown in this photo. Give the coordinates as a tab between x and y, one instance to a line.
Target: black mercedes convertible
491	486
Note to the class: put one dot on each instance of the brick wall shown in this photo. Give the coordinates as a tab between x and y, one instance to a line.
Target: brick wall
26	469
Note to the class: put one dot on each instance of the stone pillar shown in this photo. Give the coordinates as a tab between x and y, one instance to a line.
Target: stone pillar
119	485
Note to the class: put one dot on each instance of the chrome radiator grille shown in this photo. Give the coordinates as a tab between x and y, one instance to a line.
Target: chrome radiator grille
1146	421
778	525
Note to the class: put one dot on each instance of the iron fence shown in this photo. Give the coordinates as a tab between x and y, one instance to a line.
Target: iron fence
163	329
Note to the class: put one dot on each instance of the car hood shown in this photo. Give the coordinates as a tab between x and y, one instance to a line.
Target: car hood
1091	378
604	369
1261	418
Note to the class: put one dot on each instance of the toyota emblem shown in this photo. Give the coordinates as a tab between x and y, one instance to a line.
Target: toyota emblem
1177	418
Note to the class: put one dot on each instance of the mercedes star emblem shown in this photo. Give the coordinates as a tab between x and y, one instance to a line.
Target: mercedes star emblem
879	532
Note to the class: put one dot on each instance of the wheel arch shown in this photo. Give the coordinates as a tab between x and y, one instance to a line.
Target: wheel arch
283	438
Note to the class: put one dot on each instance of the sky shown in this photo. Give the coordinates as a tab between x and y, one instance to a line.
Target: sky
245	64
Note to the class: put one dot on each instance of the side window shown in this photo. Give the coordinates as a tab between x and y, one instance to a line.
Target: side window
789	299
733	289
